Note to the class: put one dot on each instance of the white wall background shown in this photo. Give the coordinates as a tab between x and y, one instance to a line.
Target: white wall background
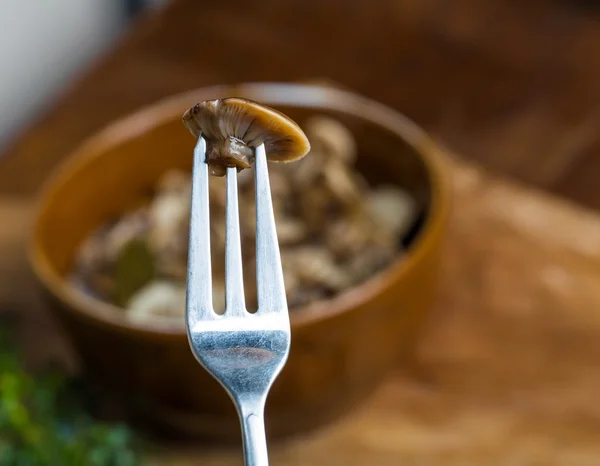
44	44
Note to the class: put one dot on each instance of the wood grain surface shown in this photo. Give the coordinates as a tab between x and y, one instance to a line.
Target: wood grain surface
511	84
508	372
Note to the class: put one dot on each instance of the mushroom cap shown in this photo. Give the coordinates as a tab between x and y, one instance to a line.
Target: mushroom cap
243	120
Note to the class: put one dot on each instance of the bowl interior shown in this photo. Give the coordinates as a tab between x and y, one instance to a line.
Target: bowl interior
118	168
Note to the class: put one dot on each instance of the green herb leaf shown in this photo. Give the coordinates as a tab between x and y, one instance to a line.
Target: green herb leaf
135	267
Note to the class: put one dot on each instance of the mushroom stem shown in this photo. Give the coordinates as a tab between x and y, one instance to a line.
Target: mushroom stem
229	152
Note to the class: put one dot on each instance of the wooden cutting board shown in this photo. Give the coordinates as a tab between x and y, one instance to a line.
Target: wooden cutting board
507	375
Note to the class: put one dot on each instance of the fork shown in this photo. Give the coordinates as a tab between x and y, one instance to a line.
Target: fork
244	351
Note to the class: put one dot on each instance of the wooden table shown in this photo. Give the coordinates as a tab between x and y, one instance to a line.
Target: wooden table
508	372
510	83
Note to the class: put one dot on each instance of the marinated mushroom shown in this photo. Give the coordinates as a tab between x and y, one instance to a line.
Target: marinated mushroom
331	137
234	127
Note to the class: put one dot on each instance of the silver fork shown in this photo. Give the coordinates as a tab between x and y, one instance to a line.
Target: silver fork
245	352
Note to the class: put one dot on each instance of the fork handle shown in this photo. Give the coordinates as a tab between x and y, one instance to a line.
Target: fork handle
254	436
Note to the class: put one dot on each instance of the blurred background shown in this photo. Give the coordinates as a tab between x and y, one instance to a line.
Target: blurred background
44	46
513	85
509	88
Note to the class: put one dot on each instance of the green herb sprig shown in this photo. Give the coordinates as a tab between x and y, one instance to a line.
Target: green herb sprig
42	424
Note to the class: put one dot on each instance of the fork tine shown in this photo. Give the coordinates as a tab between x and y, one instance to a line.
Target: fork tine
234	277
199	277
269	274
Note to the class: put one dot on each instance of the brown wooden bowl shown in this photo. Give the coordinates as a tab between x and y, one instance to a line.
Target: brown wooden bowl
341	349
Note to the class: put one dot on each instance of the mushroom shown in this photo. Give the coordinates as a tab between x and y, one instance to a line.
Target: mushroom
157	299
234	127
393	209
331	137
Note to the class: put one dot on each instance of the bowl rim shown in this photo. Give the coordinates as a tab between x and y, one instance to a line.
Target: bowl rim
271	93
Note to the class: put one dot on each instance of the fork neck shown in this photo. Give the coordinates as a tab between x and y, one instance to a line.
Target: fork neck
253	432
